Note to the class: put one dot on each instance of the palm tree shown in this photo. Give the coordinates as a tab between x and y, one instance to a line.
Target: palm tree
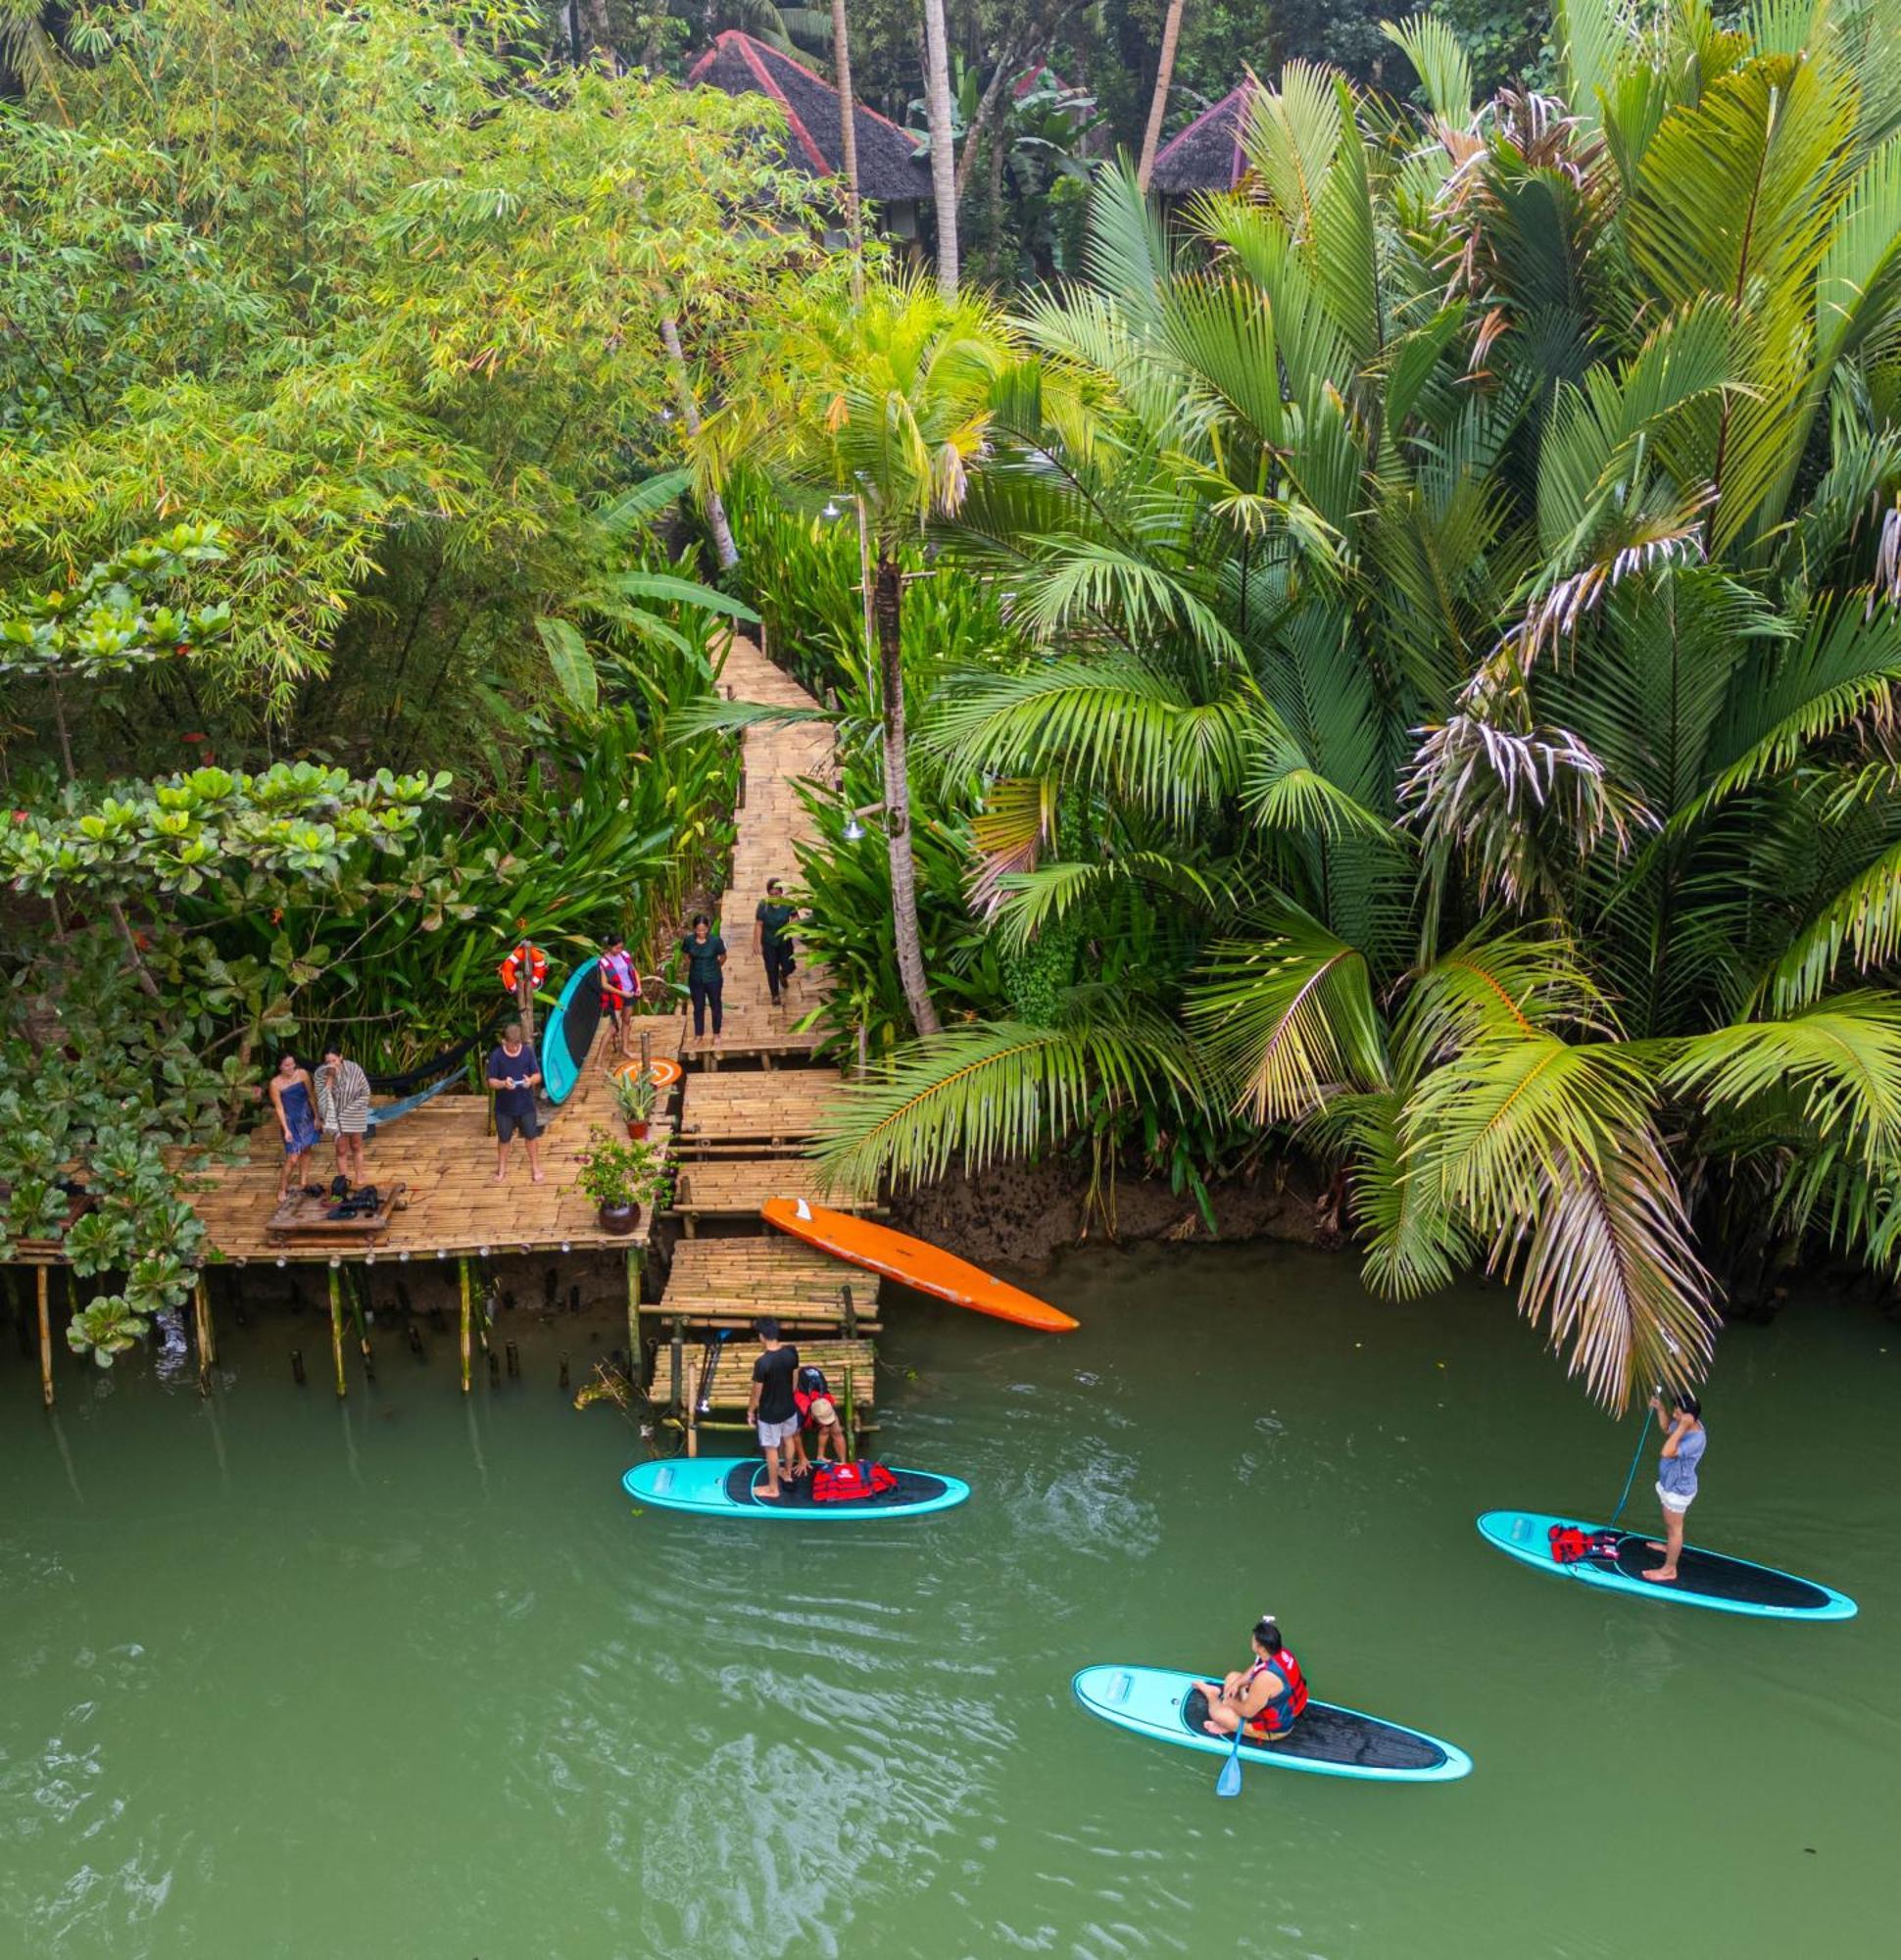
889	404
1571	439
1151	135
849	144
944	161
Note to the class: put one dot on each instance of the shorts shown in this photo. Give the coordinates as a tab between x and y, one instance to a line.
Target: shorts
773	1433
1676	1502
507	1128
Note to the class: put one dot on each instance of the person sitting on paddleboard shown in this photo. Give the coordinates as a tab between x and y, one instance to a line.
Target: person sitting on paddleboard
773	1410
1264	1702
1684	1440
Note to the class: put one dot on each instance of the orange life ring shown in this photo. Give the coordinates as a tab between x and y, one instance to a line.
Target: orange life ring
527	953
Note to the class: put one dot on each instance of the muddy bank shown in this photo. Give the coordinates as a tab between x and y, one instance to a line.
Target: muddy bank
1024	1214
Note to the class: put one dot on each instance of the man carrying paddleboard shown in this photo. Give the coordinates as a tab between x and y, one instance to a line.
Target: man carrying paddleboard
1264	1701
1684	1440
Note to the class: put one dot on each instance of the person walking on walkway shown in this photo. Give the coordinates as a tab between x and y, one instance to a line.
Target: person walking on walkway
343	1107
513	1075
292	1098
770	939
620	989
705	954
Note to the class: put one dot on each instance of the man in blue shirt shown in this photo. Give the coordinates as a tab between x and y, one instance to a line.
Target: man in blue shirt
514	1074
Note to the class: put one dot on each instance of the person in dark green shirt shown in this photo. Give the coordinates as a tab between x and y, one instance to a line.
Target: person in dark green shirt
770	939
705	954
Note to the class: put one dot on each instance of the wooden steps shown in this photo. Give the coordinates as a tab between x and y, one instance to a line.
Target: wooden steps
731	1282
783	1107
731	1385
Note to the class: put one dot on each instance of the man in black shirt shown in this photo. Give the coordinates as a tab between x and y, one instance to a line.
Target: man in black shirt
771	1409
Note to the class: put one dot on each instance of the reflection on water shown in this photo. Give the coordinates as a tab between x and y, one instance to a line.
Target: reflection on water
412	1675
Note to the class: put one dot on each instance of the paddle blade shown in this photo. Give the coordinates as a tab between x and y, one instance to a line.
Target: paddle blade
1229	1784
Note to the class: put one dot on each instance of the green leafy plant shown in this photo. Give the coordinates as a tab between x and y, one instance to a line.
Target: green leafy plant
614	1172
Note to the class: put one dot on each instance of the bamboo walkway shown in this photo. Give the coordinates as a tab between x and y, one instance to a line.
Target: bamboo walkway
743	1131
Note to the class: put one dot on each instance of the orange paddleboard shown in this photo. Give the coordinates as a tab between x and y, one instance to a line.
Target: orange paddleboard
912	1262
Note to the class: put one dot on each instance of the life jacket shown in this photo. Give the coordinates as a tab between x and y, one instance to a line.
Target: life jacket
619	983
851	1483
1572	1542
527	955
1287	1707
806	1388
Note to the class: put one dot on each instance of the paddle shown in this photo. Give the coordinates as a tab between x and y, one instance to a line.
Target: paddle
1228	1784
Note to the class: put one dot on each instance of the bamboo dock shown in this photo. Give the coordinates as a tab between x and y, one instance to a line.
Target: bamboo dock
736	1137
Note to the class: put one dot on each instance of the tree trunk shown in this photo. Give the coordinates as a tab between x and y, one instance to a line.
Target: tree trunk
849	146
943	160
722	531
898	802
1164	75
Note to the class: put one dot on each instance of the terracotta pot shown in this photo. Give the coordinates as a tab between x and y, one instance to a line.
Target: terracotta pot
638	1131
618	1219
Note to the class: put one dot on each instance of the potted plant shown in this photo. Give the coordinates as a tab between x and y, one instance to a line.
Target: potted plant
620	1178
634	1092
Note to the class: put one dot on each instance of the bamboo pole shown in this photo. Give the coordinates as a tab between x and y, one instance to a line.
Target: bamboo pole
633	1313
850	1436
207	1334
45	1342
461	1268
337	1326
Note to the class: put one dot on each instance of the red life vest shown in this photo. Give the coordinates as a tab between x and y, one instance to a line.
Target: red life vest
807	1386
619	983
851	1483
1287	1707
1572	1542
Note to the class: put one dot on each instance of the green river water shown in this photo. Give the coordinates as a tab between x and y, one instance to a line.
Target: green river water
409	1677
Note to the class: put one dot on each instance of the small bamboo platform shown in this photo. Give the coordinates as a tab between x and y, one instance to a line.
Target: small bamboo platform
715	1398
782	1109
739	1187
732	1282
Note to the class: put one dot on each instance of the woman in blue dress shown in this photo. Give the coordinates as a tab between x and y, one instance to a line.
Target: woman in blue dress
292	1098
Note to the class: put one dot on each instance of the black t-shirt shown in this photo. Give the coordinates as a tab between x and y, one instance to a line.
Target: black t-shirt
518	1101
775	1371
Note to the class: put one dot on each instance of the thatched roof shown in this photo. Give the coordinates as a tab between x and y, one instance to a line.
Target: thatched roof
888	167
1208	155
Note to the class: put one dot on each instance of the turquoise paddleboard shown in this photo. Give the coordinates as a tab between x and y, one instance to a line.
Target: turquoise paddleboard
1703	1578
568	1037
1164	1704
717	1487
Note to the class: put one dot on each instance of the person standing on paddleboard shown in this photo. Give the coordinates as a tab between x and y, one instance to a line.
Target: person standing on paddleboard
1264	1701
1684	1440
772	1408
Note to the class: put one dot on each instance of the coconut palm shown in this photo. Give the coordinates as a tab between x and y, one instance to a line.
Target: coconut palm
1465	579
944	161
889	404
1151	135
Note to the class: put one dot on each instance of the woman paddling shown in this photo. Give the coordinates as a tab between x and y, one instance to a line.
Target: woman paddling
1264	1702
1685	1442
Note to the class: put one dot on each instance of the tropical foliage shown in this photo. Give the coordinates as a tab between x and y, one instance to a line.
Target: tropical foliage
1457	586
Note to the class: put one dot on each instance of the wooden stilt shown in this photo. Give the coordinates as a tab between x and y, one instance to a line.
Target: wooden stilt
201	1309
461	1268
337	1326
633	1312
850	1425
45	1342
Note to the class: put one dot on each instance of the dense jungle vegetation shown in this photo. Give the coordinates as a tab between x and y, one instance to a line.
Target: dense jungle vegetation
1397	659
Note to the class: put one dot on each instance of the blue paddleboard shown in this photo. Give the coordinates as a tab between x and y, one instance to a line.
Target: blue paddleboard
567	1036
1165	1705
718	1486
1703	1578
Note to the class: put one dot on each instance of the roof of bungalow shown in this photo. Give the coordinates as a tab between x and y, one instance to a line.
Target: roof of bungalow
888	168
1211	153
